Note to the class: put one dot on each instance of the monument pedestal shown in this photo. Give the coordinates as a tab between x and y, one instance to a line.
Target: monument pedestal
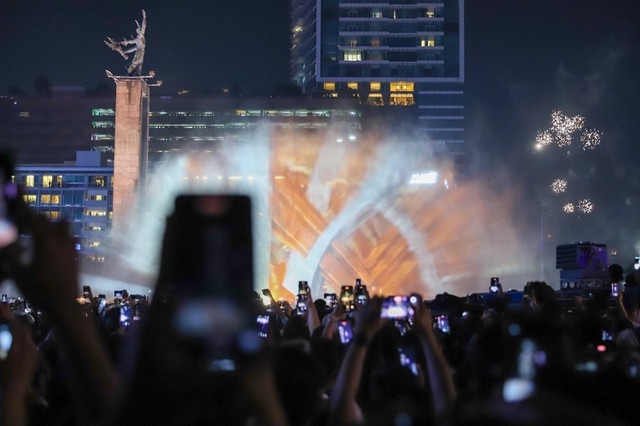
131	145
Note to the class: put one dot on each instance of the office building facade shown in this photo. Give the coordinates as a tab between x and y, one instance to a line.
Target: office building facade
79	192
393	54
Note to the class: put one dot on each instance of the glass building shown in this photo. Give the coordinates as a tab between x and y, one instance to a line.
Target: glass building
400	54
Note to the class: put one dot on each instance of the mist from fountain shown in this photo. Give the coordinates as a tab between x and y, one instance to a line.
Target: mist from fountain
329	212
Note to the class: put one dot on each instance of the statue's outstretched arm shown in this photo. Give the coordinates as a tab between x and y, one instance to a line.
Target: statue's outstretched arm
143	27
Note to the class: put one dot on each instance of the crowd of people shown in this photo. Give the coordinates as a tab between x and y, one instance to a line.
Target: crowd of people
70	357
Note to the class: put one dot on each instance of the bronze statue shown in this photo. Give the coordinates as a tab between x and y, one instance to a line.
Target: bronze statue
135	68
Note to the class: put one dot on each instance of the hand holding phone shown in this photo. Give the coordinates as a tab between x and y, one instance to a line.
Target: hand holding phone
495	285
615	290
347	297
397	307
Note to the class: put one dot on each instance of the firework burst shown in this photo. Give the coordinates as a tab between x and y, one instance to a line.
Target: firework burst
570	134
590	139
563	132
559	185
585	206
544	138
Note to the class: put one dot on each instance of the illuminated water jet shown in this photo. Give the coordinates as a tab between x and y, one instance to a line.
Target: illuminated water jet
328	213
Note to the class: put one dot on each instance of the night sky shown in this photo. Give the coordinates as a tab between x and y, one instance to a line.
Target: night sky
524	58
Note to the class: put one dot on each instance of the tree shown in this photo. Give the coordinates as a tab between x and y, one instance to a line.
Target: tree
43	87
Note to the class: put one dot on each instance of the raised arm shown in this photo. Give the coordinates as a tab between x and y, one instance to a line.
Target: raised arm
52	284
344	410
143	27
440	380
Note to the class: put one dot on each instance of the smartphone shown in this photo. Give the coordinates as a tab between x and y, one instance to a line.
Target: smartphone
263	326
615	290
102	303
494	287
361	294
522	385
118	294
396	307
636	263
212	272
303	289
347	297
606	336
331	299
86	291
125	315
409	359
6	340
345	331
443	323
5	298
301	305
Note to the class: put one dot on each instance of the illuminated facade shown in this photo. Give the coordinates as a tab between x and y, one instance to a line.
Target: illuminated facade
402	54
79	192
52	130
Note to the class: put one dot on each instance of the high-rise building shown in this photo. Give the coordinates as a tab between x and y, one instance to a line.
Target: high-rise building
394	54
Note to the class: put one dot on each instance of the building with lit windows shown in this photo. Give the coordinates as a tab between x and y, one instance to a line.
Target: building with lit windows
395	54
52	130
79	192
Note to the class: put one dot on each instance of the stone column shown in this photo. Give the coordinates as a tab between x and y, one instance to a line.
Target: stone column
131	143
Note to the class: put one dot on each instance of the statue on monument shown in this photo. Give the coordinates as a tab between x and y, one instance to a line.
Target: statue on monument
138	45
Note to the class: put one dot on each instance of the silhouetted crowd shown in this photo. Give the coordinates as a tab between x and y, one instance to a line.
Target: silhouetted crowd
198	353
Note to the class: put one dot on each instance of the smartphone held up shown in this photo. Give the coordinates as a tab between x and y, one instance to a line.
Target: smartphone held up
211	267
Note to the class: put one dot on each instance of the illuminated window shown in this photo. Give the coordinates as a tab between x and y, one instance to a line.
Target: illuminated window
375	43
401	86
55	199
430	14
297	29
54	215
376	14
102	112
431	43
329	86
24	114
46	181
352	86
45	199
96	197
353	55
375	99
90	212
102	124
30	181
94	244
375	87
402	99
353	43
423	43
30	198
101	137
97	181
